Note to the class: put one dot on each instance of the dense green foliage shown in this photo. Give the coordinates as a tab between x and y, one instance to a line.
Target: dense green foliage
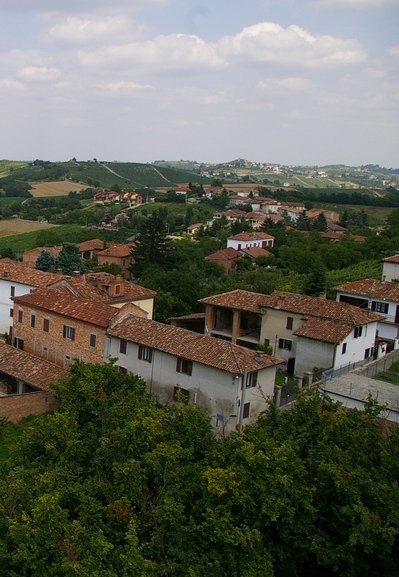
115	485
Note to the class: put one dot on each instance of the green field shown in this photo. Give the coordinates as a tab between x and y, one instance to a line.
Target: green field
129	174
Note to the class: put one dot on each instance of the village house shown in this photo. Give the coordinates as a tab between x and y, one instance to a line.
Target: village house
245	240
390	268
233	382
58	326
109	289
17	279
225	257
25	384
253	319
119	254
377	296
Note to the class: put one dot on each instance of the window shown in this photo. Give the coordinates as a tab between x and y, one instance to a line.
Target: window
290	322
369	353
344	345
245	412
358	332
93	340
123	346
145	353
379	307
20	316
285	344
69	333
33	321
252	379
11	312
12	292
184	366
118	289
181	395
46	325
123	370
18	343
45	352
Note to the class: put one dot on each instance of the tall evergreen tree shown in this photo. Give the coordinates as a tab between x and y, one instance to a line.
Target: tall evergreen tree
69	260
46	262
151	245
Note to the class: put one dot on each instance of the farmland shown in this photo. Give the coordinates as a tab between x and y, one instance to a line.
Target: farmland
57	188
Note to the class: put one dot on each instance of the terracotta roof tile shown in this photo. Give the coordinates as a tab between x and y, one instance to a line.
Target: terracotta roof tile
61	301
94	244
295	303
117	250
91	286
394	259
180	342
251	236
224	254
20	273
371	288
32	370
255	251
326	330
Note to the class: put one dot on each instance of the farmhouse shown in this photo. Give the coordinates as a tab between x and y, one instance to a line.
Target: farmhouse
233	382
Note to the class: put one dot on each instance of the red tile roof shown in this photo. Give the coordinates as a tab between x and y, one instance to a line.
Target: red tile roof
372	288
255	251
179	342
295	303
326	330
394	259
94	244
91	286
117	250
32	370
224	254
20	273
60	301
251	236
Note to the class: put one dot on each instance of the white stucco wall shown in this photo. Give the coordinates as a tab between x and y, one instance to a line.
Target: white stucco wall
356	347
390	271
311	353
218	391
6	304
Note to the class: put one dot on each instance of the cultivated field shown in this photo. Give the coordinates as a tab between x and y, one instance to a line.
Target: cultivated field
19	226
56	188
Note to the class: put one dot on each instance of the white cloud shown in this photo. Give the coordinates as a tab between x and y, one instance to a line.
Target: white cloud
286	85
10	84
76	30
394	51
122	86
268	42
163	53
38	73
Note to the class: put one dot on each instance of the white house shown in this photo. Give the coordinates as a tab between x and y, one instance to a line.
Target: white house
283	320
377	296
250	239
17	279
390	268
180	365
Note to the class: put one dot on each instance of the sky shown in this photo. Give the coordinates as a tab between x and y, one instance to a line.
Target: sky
294	82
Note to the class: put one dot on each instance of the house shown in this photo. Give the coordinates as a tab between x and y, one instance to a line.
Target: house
253	319
254	252
57	326
390	268
225	257
25	384
250	239
183	366
378	296
256	219
231	215
17	279
119	254
90	248
109	289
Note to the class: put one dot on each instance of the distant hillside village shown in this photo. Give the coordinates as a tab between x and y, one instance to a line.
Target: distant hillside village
225	359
